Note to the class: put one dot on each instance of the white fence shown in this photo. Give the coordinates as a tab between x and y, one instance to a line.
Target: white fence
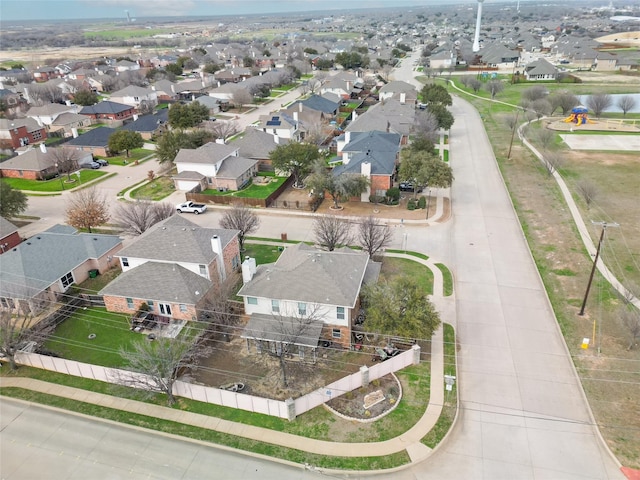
284	409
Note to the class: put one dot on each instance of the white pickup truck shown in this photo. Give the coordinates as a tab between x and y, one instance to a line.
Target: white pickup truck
190	207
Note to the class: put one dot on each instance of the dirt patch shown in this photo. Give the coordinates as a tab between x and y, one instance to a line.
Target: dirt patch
352	404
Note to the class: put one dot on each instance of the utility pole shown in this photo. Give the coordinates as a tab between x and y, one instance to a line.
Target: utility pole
595	261
513	133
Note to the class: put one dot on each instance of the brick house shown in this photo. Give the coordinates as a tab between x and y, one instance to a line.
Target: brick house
40	269
37	164
9	236
306	285
109	112
213	165
95	141
20	132
373	154
175	268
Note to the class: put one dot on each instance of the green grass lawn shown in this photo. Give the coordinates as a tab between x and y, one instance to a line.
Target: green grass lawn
253	190
134	155
447	278
111	330
55	184
262	253
393	267
157	189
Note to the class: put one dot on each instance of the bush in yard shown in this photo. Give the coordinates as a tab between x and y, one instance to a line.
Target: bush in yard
422	202
411	204
393	196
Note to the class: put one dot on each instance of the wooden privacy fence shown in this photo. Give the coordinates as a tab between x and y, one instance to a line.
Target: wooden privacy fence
232	199
288	409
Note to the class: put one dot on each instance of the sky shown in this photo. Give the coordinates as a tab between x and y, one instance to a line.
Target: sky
11	10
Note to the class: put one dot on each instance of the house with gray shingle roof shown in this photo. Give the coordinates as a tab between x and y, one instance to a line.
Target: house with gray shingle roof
38	164
34	273
176	268
306	285
258	145
9	236
95	141
540	69
136	97
388	116
404	92
108	112
149	125
213	166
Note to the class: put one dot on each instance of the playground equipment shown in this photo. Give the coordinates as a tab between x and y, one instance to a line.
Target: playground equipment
578	116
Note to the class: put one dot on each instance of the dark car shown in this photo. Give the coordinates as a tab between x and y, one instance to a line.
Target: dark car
408	187
101	161
92	165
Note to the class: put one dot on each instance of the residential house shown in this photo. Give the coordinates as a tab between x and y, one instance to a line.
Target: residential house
44	74
109	112
344	84
388	116
68	124
13	101
36	272
212	104
374	155
442	59
140	98
500	57
166	91
213	165
151	125
46	114
313	125
540	69
95	141
306	287
20	132
9	236
36	164
280	124
126	66
176	268
402	91
322	104
258	145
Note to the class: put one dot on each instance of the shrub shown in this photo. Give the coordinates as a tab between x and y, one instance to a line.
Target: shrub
411	204
376	199
393	196
422	202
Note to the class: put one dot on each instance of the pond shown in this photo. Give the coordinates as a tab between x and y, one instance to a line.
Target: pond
614	103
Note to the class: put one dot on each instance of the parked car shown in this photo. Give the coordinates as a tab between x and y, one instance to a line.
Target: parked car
92	165
101	161
190	207
408	187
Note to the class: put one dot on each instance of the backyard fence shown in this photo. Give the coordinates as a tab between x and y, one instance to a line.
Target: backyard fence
288	409
232	199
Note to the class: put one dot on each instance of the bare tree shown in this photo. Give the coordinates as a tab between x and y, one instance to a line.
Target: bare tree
494	87
223	129
385	71
219	312
541	107
553	161
41	93
155	365
626	103
87	208
287	332
137	217
16	332
564	100
587	190
242	97
331	232
475	84
534	93
373	236
509	119
426	126
599	102
241	218
65	160
631	320
545	137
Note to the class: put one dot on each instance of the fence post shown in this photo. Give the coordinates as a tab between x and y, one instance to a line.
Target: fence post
364	373
291	409
416	354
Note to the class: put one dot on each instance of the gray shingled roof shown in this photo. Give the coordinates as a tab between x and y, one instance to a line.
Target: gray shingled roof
160	282
176	239
399	86
374	141
305	274
382	163
283	329
208	153
257	144
232	167
6	227
392	114
35	264
148	123
316	102
105	107
97	137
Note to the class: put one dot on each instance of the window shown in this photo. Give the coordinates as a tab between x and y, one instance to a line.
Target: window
183	307
275	305
302	308
235	262
203	270
130	303
340	313
165	308
125	262
150	304
252	300
67	280
336	333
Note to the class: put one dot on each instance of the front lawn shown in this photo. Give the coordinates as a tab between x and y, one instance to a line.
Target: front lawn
55	184
156	190
252	191
394	267
134	156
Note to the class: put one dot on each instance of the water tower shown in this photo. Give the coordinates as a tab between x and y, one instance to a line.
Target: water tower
476	37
